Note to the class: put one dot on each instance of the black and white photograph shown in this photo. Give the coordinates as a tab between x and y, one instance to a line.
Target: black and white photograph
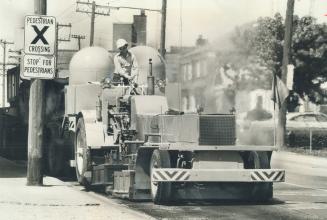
163	109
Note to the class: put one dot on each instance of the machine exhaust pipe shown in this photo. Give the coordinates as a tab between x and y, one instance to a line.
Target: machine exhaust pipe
98	109
150	89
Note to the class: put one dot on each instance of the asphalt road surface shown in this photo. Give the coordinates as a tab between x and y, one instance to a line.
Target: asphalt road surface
302	196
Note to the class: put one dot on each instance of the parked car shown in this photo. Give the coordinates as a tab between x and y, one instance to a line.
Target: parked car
299	128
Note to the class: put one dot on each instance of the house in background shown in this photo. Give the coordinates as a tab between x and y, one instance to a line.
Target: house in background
205	82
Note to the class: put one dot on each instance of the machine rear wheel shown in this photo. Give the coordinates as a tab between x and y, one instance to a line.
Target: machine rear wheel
82	155
160	191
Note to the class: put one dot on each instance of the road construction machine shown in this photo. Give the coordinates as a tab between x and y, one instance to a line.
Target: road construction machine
128	141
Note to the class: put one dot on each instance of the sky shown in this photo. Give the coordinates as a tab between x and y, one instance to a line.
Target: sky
186	19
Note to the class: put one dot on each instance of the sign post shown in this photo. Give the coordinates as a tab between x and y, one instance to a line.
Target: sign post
38	64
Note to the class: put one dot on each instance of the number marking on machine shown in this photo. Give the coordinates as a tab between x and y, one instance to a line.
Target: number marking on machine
72	123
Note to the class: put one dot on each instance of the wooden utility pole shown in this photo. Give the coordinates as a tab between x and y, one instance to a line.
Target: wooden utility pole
93	12
58	40
105	10
79	38
92	24
280	135
163	29
35	120
4	46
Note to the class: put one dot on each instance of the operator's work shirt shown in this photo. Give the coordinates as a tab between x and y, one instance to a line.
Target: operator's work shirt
126	65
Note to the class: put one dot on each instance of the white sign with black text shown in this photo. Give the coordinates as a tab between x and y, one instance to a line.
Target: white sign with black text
40	35
36	66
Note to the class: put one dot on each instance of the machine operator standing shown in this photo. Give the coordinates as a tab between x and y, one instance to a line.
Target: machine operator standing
126	65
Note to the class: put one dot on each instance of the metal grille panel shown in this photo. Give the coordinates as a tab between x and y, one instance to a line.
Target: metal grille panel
217	130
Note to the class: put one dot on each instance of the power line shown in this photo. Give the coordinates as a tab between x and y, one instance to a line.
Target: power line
312	7
181	23
96	9
65	10
79	20
113	1
105	10
272	8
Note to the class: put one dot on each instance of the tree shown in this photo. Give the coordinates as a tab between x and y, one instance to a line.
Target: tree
267	42
309	52
259	48
261	45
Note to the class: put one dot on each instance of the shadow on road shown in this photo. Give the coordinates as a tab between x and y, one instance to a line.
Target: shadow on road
10	169
226	203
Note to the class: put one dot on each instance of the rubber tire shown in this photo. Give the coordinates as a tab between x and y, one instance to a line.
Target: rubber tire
81	139
261	192
160	159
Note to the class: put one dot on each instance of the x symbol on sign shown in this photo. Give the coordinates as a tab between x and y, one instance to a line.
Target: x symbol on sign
39	35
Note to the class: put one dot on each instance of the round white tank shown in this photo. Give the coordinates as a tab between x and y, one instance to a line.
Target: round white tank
143	54
91	64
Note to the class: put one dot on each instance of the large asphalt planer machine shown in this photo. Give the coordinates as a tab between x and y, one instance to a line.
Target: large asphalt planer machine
128	141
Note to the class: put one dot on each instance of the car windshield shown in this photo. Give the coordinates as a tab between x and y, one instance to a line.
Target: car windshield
305	118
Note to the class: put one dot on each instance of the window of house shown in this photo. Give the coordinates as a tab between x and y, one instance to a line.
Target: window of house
183	70
204	67
218	78
189	71
197	69
192	104
184	104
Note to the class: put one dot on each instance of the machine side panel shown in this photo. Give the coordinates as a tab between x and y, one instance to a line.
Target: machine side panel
69	100
179	128
147	124
95	137
147	105
81	97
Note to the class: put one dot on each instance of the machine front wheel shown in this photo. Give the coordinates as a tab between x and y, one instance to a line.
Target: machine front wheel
82	155
160	191
261	191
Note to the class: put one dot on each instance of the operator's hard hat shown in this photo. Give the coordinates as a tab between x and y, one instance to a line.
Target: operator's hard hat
121	42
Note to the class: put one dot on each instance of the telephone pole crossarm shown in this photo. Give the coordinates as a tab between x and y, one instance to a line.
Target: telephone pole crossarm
79	38
96	7
93	9
93	12
135	8
63	26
